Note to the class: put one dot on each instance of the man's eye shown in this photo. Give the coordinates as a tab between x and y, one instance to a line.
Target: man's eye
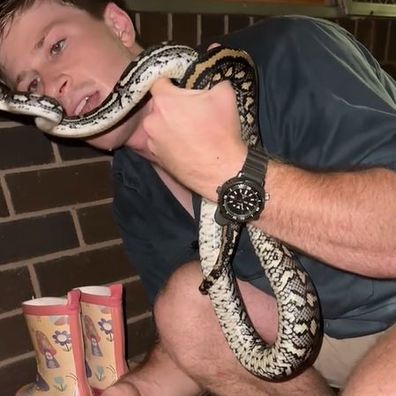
57	48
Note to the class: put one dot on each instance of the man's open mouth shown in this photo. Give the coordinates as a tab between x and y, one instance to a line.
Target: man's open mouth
87	104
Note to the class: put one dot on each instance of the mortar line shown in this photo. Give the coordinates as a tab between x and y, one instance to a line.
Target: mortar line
34	280
226	24
77	226
59	254
387	41
55	210
170	26
56	151
7	197
63	164
199	29
138	24
11	314
16	359
138	318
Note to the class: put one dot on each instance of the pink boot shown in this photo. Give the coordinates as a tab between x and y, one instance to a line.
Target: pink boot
103	329
55	329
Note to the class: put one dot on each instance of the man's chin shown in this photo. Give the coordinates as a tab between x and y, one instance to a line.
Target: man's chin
108	141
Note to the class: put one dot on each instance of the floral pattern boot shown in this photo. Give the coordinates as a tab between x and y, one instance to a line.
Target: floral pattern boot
103	329
55	329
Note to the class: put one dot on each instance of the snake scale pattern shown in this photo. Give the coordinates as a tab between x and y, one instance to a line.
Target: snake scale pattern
299	319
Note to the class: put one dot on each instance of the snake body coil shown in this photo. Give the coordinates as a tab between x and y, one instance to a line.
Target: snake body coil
299	322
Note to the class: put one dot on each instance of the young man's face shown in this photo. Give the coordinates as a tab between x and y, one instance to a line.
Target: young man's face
63	52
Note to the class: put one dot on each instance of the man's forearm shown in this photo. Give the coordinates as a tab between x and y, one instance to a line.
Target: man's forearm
346	219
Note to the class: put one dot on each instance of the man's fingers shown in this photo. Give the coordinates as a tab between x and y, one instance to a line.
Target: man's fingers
122	388
214	45
164	86
161	85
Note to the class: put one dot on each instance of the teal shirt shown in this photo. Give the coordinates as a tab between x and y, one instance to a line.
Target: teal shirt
324	104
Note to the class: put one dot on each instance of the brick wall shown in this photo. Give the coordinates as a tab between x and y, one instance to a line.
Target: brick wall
56	228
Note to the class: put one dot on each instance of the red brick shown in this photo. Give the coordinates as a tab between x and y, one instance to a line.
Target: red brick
140	337
96	267
74	149
37	236
24	146
136	302
39	190
15	375
14	336
3	205
97	224
16	285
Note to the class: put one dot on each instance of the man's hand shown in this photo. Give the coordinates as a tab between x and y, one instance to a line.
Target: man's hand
122	388
195	135
157	376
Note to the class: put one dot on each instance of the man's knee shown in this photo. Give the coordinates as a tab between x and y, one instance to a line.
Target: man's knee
180	308
375	374
187	325
191	335
183	282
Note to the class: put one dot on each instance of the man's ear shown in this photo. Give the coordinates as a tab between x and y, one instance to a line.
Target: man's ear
120	23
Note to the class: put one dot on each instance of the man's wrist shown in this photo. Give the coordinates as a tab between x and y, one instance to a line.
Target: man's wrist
242	198
226	169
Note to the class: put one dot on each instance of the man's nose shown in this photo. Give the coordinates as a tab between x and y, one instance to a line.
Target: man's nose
58	87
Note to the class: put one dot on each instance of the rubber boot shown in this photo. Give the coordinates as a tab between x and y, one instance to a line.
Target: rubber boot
103	329
55	329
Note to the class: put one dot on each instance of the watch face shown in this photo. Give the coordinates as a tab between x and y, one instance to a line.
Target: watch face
242	201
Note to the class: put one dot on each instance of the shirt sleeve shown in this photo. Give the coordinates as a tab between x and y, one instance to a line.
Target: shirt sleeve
323	100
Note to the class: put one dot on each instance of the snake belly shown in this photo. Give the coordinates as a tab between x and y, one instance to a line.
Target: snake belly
299	320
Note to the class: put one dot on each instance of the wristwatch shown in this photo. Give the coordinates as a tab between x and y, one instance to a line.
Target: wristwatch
242	198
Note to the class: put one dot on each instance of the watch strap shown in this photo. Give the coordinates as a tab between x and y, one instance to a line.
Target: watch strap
255	166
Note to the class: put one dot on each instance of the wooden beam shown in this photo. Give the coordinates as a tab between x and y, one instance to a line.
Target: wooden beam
317	8
249	7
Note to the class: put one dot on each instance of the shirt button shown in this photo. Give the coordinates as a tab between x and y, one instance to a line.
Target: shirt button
194	245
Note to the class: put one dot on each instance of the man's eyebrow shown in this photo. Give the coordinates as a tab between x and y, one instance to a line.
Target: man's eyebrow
37	46
43	36
40	43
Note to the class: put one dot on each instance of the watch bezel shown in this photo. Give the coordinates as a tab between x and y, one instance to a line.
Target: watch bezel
238	183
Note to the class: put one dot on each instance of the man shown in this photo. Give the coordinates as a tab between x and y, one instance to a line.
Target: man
326	110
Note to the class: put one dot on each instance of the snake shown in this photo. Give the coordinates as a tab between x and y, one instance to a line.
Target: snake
300	329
